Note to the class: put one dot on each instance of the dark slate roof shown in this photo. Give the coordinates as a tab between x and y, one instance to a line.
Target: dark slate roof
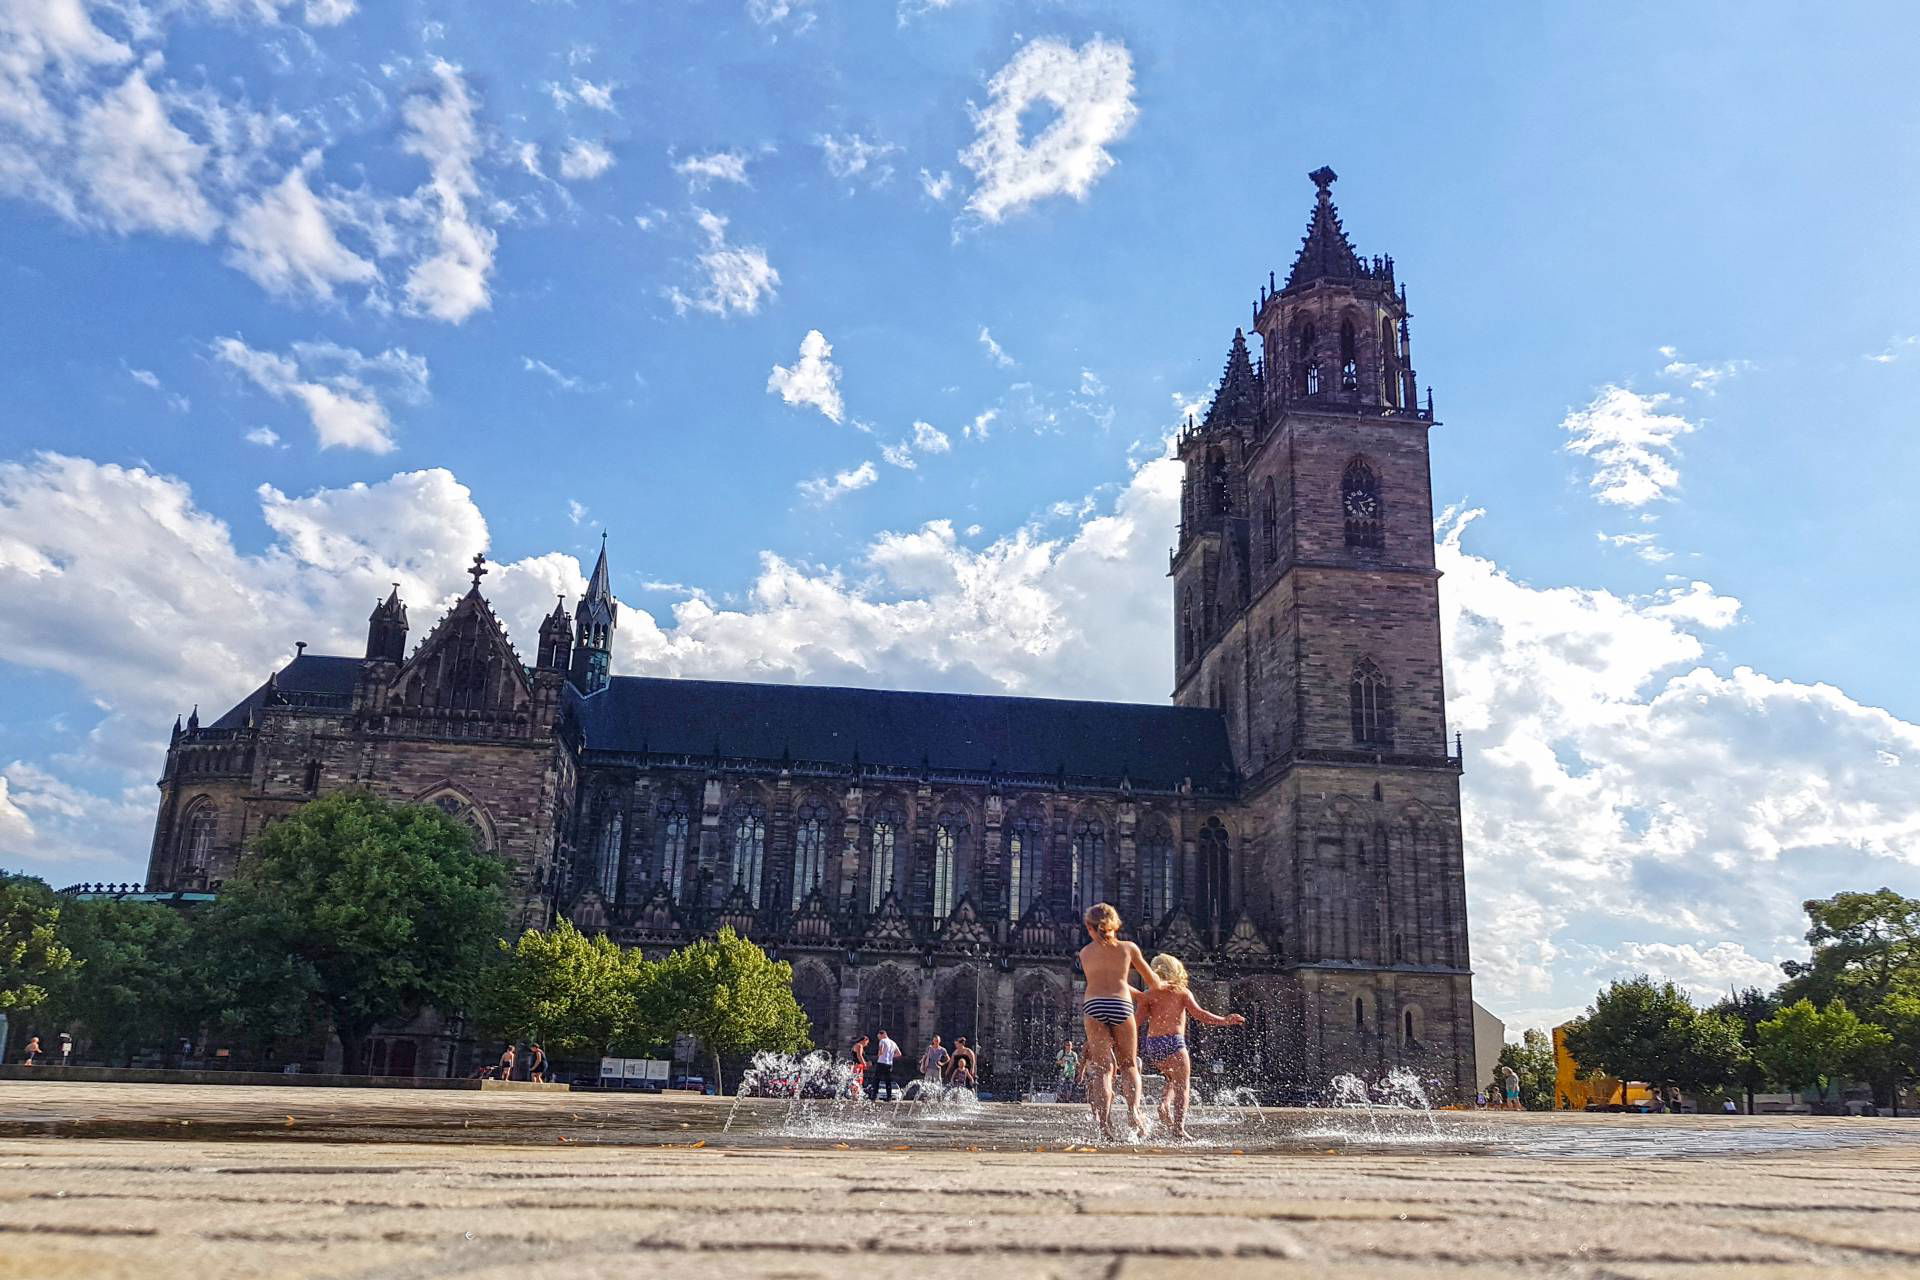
1153	745
308	673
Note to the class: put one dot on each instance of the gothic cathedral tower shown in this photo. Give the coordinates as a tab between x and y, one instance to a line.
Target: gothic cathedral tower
1306	610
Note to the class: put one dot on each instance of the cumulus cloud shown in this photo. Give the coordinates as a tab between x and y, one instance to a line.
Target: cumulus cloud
584	160
1090	92
141	171
285	239
851	156
1700	377
339	387
266	437
821	490
995	352
1632	444
739	279
703	171
451	284
937	189
812	380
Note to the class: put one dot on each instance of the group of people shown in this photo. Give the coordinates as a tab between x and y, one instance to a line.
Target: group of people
1113	1013
958	1067
508	1068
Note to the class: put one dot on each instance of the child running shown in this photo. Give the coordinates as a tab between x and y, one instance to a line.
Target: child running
1112	1031
1165	1010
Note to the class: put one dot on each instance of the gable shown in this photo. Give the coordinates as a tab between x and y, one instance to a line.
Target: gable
466	664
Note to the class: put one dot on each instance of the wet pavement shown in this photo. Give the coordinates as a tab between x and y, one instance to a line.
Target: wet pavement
158	1181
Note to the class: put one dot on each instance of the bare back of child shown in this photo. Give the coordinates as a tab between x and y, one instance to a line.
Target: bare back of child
1164	1013
1108	1017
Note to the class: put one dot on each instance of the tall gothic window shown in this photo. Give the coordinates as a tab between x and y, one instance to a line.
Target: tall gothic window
1372	705
946	863
882	837
1269	521
1157	874
1026	863
1216	884
1389	366
748	824
1187	644
1089	852
1360	504
809	850
672	819
1219	494
196	841
1308	379
607	861
1349	358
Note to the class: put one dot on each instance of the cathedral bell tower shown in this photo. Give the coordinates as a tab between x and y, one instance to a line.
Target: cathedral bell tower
593	629
387	630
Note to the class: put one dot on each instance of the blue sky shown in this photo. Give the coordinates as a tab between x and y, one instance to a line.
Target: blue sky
303	297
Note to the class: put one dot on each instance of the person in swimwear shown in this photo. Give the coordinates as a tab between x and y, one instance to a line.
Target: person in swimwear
1165	1012
1112	1030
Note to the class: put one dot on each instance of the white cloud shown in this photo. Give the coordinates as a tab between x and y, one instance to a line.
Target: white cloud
1897	348
899	454
1090	89
825	489
564	381
981	426
576	510
151	380
995	352
266	437
1701	377
1645	545
739	277
852	156
285	239
142	171
908	10
595	97
1631	443
812	380
716	166
451	284
936	189
584	160
928	438
339	387
329	13
774	13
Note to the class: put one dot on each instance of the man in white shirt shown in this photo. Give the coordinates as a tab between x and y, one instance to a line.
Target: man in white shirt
884	1057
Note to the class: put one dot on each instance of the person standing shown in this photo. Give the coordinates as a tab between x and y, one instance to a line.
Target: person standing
536	1064
1067	1065
506	1064
1510	1087
34	1052
963	1056
885	1054
932	1062
859	1055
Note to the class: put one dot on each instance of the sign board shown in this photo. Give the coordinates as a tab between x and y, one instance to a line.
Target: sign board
624	1069
658	1069
612	1067
636	1068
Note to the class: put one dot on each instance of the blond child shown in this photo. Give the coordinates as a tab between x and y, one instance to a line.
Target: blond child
1165	1011
1107	1013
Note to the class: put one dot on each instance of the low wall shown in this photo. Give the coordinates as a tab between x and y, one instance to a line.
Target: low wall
298	1080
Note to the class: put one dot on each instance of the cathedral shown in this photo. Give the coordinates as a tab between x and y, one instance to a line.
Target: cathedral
1289	824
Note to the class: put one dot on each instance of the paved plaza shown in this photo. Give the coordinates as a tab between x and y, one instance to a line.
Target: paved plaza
149	1182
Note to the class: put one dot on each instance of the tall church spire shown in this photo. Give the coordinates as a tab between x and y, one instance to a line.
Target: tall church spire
1325	252
594	622
387	629
1237	402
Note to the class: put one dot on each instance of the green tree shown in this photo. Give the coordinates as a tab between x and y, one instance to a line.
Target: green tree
726	993
1638	1029
1807	1045
31	951
1532	1060
572	993
1866	951
135	982
1749	1008
356	910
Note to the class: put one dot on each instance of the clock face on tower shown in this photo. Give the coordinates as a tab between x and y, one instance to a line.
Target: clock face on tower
1362	505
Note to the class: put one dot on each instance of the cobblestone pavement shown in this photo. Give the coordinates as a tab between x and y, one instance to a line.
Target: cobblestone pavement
546	1204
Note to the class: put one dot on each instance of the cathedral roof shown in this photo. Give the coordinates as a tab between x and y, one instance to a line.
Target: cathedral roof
1325	252
309	673
1156	746
1237	402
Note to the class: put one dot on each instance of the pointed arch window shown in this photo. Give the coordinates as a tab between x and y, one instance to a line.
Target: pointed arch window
1216	889
1269	521
747	824
1372	705
1089	855
1158	883
882	838
1308	378
197	836
1389	365
1349	358
1219	493
607	857
1026	863
672	819
948	837
1360	504
809	850
1359	1014
1187	644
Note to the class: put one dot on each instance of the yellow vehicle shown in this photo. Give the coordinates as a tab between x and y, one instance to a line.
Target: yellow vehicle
1575	1091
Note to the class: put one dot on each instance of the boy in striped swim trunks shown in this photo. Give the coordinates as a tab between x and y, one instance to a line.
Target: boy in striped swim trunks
1165	1011
1112	1031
